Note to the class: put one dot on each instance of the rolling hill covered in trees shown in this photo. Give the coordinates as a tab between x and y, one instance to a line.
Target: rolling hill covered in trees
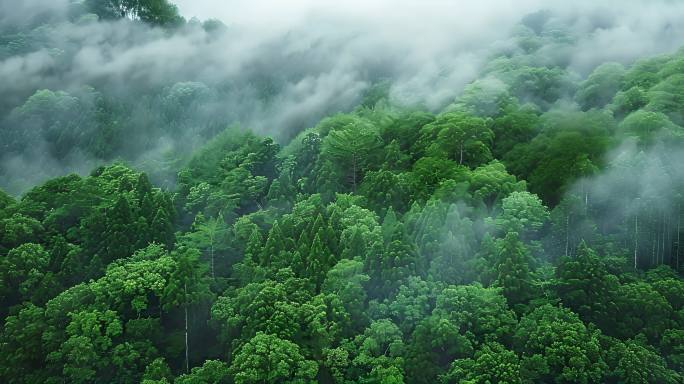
269	219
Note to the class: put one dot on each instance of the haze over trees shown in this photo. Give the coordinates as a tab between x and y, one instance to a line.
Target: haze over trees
528	230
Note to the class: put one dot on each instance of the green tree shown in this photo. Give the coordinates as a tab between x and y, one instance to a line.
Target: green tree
492	363
378	353
434	344
672	346
208	235
157	12
548	162
278	307
24	273
391	263
351	149
667	97
157	372
459	137
18	229
186	286
427	174
86	353
516	126
385	189
601	85
642	310
346	280
484	97
482	314
523	213
5	200
414	301
585	286
211	372
513	271
22	350
119	235
491	183
454	262
275	244
632	362
557	347
628	101
269	359
650	127
162	228
136	285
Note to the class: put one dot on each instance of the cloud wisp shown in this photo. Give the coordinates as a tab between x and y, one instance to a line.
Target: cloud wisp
279	68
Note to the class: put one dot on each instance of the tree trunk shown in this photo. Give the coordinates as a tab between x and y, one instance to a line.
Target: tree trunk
461	149
679	222
567	234
661	242
653	248
187	355
636	238
212	257
661	245
354	173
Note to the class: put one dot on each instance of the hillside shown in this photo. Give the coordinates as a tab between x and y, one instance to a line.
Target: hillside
181	225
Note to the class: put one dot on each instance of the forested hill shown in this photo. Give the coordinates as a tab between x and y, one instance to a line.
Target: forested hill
526	231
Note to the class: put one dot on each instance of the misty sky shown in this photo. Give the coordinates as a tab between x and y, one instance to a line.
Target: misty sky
269	12
612	30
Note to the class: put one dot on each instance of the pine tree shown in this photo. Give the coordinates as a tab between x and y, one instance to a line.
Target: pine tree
275	243
253	247
186	286
162	229
147	208
350	149
513	270
120	236
143	187
317	261
303	248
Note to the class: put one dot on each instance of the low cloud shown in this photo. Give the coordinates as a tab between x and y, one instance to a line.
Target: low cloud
280	67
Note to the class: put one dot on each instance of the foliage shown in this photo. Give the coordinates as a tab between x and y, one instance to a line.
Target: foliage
528	232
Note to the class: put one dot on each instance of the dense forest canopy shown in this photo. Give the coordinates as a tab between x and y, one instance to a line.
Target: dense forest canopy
341	198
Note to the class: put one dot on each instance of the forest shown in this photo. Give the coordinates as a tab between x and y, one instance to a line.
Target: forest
174	212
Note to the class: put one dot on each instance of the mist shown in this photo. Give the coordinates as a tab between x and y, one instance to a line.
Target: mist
634	200
277	69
